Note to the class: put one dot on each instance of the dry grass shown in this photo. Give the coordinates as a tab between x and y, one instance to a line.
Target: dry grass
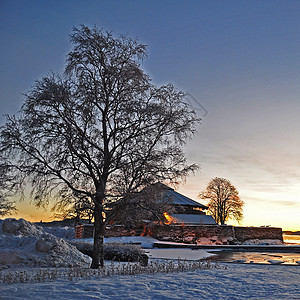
52	274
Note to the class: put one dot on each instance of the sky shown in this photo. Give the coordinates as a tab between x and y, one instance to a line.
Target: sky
239	60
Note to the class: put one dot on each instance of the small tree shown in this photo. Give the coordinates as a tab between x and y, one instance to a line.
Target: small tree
101	130
223	200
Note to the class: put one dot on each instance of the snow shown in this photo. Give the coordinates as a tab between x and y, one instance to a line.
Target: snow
144	241
234	282
262	242
24	244
64	232
25	247
275	262
147	243
181	253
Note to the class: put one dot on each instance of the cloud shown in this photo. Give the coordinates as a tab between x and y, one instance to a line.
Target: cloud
288	203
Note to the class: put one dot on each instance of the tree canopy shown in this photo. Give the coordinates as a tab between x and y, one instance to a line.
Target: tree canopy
100	130
223	199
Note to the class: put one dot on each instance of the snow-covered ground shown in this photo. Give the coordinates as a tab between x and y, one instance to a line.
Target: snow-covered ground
234	282
26	248
181	253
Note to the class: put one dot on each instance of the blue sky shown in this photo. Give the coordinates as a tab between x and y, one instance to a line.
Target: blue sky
239	59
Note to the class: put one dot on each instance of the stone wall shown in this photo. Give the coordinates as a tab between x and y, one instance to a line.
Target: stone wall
121	230
261	233
191	233
201	234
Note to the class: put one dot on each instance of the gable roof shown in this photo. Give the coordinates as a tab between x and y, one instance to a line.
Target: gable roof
177	198
194	219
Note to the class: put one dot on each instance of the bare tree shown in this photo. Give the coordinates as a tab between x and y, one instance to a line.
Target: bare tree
101	130
6	205
223	200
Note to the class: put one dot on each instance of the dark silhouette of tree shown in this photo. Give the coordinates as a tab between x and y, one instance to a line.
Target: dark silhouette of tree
6	184
101	130
223	200
6	206
74	207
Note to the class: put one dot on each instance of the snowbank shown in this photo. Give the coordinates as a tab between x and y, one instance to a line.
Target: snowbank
24	244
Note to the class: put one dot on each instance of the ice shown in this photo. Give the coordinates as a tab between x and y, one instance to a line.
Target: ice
275	261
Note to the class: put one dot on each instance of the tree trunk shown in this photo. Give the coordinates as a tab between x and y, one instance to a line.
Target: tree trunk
99	229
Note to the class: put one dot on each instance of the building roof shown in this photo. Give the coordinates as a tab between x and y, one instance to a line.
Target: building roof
194	219
179	199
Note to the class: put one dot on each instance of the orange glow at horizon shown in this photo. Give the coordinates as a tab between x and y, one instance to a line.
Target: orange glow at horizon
29	212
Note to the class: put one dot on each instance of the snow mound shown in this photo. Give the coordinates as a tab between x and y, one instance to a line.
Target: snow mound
24	244
20	226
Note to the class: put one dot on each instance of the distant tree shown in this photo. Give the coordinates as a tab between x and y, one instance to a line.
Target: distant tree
102	130
75	207
223	200
6	206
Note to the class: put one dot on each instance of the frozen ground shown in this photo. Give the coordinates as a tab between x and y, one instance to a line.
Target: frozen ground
234	282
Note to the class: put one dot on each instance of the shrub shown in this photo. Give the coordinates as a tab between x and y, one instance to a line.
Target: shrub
113	251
